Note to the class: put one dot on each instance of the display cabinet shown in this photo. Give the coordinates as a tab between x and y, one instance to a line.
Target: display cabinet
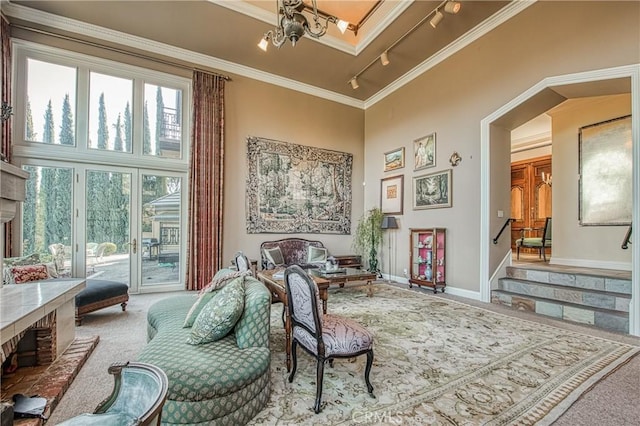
427	258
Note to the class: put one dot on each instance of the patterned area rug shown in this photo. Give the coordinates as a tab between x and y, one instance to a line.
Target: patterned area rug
440	362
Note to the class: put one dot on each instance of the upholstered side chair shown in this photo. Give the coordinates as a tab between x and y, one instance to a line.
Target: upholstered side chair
325	337
539	242
242	262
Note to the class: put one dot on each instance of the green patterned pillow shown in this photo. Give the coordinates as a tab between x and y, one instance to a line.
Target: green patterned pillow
205	295
219	315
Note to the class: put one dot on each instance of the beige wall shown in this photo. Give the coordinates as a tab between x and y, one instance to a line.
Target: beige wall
259	109
453	97
572	242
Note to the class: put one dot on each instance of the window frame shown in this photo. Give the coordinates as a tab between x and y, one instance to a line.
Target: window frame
81	152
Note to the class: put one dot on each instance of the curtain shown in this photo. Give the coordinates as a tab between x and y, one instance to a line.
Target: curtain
5	144
206	180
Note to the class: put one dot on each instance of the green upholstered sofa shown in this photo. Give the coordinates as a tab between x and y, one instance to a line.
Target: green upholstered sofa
225	382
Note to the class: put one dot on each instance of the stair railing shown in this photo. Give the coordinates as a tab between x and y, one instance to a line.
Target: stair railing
627	239
495	240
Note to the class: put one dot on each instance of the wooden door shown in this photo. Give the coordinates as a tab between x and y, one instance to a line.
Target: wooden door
530	195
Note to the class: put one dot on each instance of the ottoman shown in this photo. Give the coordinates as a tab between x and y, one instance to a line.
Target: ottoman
100	294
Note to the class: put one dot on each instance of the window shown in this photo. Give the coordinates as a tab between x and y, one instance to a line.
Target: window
104	145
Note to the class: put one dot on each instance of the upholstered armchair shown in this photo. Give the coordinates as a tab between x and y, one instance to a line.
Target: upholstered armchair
540	242
138	395
325	337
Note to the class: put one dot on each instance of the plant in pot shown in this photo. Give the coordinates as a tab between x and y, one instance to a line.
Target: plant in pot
368	237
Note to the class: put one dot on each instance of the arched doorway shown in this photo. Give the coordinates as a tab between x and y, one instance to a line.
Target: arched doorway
495	136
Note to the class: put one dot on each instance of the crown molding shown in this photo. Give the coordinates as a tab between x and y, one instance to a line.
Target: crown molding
478	31
106	34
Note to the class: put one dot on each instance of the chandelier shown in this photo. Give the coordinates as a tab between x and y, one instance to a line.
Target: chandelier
292	24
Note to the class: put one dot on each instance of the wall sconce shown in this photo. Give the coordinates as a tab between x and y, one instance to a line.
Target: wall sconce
546	178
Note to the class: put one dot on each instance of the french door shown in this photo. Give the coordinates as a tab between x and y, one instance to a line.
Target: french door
112	223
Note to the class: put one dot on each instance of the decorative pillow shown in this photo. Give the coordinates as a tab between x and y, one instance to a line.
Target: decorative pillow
32	259
219	315
316	255
219	281
51	269
274	256
23	274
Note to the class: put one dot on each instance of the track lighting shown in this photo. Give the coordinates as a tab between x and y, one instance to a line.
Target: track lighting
452	7
434	18
437	17
384	59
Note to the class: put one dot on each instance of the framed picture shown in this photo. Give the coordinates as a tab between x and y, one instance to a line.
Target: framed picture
424	152
432	191
605	160
394	159
392	195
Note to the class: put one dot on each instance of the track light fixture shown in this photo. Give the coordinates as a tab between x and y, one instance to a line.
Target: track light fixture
436	16
292	24
452	7
384	58
436	19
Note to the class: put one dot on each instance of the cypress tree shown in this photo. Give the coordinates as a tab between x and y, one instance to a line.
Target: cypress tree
48	183
103	129
29	212
30	134
159	119
67	133
146	136
118	144
128	129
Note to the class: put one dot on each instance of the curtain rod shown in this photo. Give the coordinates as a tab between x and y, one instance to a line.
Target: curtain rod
118	50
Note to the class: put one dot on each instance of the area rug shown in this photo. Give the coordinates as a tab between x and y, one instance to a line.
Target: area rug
441	362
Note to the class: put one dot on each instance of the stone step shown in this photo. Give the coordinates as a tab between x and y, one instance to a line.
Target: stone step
601	282
605	319
610	300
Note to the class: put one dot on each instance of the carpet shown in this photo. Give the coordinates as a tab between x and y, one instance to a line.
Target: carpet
440	362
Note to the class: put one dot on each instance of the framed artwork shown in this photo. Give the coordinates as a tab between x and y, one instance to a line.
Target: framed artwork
392	195
605	168
394	159
424	152
297	189
432	191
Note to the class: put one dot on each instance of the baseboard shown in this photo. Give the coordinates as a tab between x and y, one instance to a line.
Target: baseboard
586	263
455	291
501	270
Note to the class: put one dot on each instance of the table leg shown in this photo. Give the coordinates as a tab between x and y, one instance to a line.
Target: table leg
369	288
324	295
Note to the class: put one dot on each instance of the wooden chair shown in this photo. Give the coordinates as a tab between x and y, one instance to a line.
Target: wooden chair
242	262
325	337
538	242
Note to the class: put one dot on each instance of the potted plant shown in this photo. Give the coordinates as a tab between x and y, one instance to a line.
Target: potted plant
368	237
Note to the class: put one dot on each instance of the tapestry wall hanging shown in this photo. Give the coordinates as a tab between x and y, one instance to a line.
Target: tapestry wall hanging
297	189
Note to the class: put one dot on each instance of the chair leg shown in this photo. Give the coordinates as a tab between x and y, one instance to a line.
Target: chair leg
294	357
518	253
544	254
319	377
367	370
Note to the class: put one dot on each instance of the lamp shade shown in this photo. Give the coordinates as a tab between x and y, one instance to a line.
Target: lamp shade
389	222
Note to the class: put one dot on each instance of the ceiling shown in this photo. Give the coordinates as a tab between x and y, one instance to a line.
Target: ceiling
224	35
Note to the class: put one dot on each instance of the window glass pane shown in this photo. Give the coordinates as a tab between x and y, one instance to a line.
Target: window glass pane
162	121
50	108
110	106
161	236
46	215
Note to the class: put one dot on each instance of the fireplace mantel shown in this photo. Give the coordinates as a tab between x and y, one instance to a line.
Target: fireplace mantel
12	190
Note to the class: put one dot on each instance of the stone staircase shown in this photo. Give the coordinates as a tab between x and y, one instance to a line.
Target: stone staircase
596	297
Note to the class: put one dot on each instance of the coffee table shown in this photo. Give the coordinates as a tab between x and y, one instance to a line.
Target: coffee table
279	294
345	275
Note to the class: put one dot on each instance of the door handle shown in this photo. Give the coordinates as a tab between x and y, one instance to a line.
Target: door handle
134	245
